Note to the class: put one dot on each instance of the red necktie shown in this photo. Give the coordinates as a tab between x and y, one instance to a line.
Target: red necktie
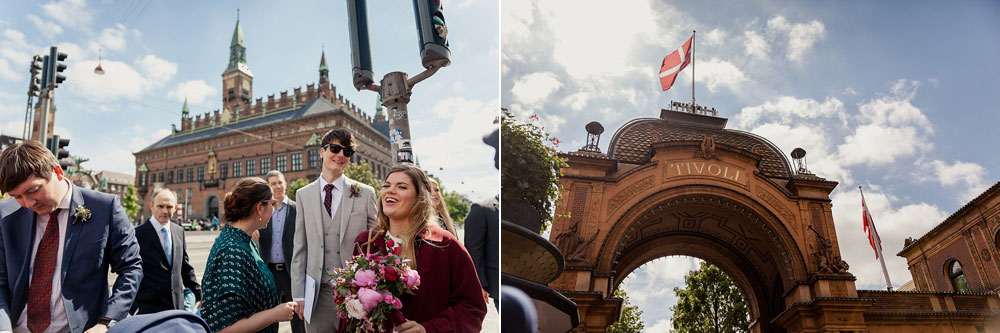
40	287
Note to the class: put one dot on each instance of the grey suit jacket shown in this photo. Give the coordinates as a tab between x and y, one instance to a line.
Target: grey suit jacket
357	214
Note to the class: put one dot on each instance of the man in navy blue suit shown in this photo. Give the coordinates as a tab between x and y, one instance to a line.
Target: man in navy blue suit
57	242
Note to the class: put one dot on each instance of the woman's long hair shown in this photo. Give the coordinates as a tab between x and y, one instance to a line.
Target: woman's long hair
442	211
420	215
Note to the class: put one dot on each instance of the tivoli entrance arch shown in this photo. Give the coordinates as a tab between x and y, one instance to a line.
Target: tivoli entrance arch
682	184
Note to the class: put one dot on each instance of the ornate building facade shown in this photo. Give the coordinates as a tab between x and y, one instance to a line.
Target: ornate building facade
248	137
683	184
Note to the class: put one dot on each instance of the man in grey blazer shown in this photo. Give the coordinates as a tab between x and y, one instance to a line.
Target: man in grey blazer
331	212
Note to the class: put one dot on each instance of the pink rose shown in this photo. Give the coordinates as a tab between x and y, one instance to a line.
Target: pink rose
411	277
369	298
364	278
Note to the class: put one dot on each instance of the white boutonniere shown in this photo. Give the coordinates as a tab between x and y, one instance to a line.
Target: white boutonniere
81	213
355	190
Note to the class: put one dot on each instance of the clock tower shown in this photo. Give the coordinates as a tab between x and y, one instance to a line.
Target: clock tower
237	80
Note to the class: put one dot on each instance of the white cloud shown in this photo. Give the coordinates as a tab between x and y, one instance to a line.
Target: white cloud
8	73
878	145
660	326
195	91
787	109
715	37
48	28
816	142
70	13
893	224
715	73
534	88
896	109
576	101
801	36
651	286
971	175
474	174
157	70
114	38
574	23
755	44
15	47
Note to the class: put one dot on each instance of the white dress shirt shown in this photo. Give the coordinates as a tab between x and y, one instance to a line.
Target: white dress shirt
338	193
58	322
159	229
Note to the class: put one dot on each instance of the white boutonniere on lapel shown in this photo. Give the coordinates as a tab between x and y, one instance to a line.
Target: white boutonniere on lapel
355	190
81	213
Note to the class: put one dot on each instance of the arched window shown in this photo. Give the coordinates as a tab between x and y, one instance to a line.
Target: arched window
957	277
996	240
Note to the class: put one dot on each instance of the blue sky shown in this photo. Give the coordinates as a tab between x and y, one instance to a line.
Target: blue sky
894	96
155	53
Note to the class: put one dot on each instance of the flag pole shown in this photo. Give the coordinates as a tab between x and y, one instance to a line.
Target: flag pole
878	240
694	108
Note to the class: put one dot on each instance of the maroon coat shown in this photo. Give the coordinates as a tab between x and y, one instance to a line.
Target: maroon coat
450	298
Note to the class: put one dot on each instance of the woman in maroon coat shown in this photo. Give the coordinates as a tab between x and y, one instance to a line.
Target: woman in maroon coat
450	297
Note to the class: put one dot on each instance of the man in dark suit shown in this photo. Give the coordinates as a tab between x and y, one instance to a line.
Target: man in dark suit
57	242
165	265
276	242
482	239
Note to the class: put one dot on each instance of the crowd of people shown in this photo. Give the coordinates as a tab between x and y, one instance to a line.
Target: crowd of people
271	262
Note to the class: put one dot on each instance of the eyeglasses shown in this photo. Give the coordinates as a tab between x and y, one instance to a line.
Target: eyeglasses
335	148
273	202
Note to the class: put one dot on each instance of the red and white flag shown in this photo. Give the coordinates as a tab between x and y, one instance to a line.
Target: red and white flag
673	63
870	228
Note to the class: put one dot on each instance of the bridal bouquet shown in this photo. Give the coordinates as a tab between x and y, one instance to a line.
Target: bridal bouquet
367	289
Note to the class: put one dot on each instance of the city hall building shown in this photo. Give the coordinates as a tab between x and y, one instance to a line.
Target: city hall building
203	158
683	184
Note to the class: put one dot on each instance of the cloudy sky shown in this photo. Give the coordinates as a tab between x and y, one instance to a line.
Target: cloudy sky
897	99
157	53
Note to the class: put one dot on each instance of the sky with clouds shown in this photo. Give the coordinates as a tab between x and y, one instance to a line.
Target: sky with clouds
157	53
898	99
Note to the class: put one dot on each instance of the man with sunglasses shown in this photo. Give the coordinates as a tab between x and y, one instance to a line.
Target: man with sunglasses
330	212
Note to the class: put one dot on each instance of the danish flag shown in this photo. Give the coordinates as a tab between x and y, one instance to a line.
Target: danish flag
873	237
673	63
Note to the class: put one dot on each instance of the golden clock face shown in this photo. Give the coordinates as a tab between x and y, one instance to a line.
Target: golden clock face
231	82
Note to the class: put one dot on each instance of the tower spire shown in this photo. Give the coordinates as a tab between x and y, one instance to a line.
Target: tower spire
185	110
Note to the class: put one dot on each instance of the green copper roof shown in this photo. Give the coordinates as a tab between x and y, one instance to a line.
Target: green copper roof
378	106
185	110
322	62
238	36
238	52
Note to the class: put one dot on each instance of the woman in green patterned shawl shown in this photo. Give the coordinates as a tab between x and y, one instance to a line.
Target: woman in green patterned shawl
239	292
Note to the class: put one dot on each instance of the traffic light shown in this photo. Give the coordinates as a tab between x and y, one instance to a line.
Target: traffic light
57	146
433	33
56	67
361	52
34	85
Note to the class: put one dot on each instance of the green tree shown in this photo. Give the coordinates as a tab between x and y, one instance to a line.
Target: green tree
458	206
363	172
130	201
629	321
709	303
531	167
295	185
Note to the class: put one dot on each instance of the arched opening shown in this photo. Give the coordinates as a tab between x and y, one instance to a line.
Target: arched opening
660	289
957	277
724	228
211	206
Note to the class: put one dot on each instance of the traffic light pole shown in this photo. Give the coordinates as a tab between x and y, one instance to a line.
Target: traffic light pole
47	98
396	87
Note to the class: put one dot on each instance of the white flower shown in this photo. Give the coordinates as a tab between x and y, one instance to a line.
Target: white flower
355	309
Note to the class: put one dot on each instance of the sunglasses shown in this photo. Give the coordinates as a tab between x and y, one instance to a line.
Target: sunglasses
335	148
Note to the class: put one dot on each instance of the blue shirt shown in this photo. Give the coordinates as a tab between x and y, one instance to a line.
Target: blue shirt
277	256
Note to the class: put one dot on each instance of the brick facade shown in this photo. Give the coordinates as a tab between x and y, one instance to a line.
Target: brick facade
211	151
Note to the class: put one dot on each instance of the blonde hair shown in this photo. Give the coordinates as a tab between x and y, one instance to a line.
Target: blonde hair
420	214
442	210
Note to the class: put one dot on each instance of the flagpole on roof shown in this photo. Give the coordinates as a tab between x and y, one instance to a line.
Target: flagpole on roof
693	107
877	240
